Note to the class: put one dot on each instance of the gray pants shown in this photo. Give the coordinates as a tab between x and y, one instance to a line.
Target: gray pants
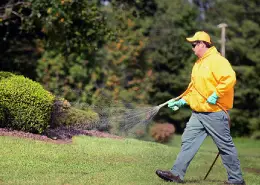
199	126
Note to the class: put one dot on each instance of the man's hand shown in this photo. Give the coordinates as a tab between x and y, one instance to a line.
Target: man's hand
175	105
212	99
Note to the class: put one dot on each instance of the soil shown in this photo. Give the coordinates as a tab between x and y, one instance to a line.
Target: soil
59	135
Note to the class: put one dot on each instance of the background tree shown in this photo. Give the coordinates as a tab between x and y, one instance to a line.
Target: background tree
171	56
126	72
130	50
28	27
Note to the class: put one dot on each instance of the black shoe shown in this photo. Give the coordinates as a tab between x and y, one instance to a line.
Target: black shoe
168	176
228	183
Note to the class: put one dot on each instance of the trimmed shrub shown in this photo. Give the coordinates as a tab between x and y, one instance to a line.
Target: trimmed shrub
2	116
27	105
162	133
4	74
64	114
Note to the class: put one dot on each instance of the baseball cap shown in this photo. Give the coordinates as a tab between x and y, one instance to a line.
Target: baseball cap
200	35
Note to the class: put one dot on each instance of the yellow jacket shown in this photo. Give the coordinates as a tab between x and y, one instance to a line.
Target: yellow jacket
211	73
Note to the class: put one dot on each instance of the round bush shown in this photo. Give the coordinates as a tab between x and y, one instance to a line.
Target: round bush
25	104
4	74
2	116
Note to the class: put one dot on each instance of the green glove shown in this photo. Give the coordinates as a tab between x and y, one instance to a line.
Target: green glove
212	99
175	105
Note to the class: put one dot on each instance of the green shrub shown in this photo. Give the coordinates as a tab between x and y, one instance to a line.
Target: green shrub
82	118
4	75
27	105
2	116
64	114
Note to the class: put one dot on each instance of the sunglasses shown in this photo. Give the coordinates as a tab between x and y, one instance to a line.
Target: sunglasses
194	44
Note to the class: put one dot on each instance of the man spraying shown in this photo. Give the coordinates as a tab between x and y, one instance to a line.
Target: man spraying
210	95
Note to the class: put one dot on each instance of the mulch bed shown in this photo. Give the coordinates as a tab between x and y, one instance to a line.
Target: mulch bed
59	135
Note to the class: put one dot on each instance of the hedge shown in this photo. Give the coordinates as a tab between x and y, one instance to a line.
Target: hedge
24	104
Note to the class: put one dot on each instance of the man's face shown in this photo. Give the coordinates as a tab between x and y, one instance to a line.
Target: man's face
197	48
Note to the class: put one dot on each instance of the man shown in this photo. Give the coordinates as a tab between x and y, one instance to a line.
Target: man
211	89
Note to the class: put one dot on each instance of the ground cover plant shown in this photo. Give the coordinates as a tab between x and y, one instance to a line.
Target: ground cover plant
91	160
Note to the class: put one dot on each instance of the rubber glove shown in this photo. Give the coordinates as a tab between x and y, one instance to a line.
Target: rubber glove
212	99
175	105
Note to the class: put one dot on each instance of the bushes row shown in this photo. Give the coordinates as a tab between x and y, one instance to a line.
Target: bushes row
25	105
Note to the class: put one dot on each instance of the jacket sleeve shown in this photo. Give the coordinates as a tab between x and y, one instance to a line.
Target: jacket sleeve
187	94
225	76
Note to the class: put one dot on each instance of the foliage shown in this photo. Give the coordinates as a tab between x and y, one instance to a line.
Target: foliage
81	118
133	51
126	73
142	7
2	116
171	56
27	105
73	77
64	114
162	132
28	27
4	75
67	25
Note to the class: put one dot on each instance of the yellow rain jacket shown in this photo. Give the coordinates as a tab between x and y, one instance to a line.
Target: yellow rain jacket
211	73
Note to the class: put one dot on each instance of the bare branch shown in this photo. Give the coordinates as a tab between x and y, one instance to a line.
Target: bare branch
15	13
8	5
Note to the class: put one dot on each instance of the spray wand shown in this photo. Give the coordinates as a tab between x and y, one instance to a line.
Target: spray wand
163	104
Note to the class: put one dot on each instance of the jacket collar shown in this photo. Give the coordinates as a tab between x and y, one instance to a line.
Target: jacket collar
210	51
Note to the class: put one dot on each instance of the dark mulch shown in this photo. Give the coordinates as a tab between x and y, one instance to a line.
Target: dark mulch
60	135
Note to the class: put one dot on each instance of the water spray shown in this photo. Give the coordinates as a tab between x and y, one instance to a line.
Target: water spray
131	118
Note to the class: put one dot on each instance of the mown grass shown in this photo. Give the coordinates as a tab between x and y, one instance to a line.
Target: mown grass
90	160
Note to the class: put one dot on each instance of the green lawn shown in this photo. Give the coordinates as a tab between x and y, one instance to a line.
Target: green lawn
90	160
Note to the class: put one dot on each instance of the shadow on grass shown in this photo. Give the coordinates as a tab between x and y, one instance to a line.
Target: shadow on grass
202	181
253	170
240	155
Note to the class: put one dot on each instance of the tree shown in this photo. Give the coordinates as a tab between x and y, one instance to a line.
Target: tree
66	26
171	56
127	73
